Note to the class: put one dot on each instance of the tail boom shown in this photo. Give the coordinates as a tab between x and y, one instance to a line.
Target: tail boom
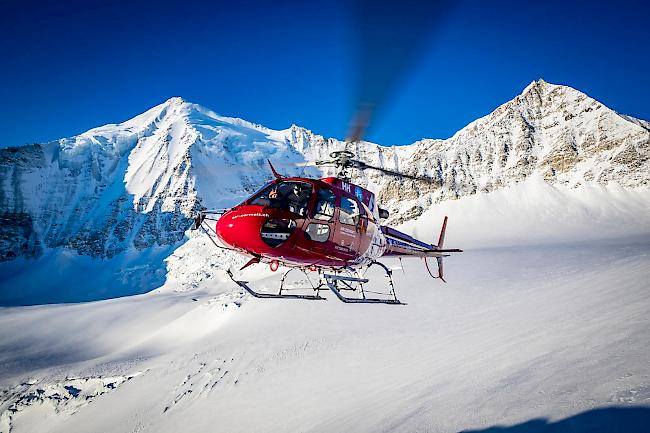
403	245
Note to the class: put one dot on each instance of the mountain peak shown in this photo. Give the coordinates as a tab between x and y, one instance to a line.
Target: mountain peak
537	86
175	100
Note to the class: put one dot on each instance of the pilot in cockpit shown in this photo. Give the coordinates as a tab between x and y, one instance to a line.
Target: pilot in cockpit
292	196
298	198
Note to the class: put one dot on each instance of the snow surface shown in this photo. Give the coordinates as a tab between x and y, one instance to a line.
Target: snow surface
79	278
547	327
536	212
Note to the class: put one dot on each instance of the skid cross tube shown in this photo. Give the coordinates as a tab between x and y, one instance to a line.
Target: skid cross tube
315	289
332	281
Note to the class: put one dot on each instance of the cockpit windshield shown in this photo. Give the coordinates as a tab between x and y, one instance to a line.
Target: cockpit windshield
291	195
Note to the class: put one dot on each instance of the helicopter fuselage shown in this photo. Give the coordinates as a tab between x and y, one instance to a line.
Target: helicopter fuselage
325	222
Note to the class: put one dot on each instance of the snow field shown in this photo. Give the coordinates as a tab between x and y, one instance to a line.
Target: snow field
518	333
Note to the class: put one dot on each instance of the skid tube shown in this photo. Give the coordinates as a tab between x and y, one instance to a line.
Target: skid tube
336	283
244	285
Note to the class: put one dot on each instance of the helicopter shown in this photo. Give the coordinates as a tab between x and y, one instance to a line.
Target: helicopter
329	226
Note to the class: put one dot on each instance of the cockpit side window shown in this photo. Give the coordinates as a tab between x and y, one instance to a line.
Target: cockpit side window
349	213
324	209
262	197
291	196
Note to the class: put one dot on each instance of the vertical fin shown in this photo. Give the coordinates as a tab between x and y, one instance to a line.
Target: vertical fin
441	242
441	239
275	173
440	274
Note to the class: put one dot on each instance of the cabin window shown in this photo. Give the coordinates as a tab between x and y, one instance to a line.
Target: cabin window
324	209
292	196
349	213
317	232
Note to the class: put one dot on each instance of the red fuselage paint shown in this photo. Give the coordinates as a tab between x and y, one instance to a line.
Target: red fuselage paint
335	239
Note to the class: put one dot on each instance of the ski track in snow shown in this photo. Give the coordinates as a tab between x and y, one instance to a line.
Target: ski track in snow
518	333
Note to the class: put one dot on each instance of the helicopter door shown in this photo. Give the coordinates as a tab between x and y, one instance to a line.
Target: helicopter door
319	228
346	238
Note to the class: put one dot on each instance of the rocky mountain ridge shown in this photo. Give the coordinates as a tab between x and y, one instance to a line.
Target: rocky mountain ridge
135	185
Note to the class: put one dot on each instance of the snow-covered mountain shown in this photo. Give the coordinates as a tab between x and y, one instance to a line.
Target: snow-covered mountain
552	131
135	184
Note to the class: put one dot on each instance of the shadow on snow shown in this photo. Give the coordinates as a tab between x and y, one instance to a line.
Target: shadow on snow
602	420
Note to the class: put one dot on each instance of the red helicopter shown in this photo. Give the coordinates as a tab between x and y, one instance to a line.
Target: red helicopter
329	226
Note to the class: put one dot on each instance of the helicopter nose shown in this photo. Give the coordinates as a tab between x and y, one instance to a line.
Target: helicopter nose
236	229
254	231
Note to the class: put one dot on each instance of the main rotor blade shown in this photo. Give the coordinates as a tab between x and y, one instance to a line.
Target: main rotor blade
391	36
362	165
256	168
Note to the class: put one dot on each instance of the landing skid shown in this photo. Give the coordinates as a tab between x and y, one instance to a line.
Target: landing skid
337	283
245	285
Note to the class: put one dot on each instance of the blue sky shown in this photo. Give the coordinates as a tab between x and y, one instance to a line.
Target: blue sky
75	65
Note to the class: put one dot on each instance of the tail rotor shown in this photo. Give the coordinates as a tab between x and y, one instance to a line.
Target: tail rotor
439	249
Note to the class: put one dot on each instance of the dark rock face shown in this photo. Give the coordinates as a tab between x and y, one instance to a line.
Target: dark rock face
50	198
17	237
